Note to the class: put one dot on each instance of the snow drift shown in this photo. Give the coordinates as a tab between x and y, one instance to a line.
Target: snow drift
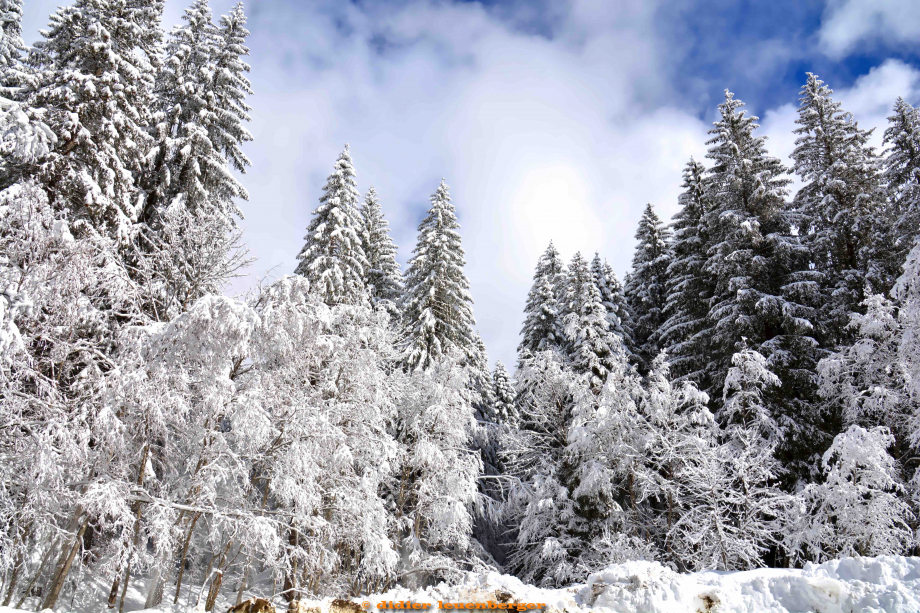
890	584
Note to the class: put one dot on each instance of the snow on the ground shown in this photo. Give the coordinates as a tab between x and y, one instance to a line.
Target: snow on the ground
884	584
851	585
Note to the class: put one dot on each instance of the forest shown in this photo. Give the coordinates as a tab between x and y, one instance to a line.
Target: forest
744	398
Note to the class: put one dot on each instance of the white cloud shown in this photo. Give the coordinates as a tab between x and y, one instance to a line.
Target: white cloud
847	24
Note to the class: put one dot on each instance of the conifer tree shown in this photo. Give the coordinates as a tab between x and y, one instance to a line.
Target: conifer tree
437	306
760	280
198	124
542	314
840	209
483	391
12	47
382	276
614	300
590	346
646	290
332	258
188	221
96	69
505	396
685	330
902	176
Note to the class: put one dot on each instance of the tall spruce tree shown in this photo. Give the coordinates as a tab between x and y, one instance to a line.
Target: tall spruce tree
96	71
591	348
505	396
437	306
685	330
188	220
840	209
11	45
761	289
614	301
646	290
201	105
382	276
231	87
901	176
542	314
332	258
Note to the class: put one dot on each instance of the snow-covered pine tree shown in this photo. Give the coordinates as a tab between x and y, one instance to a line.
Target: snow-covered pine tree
12	47
901	176
189	213
540	507
481	388
869	384
231	87
437	306
382	276
505	396
542	314
437	473
742	397
614	301
95	74
762	288
591	348
332	258
182	151
675	427
840	211
604	454
646	290
685	331
857	509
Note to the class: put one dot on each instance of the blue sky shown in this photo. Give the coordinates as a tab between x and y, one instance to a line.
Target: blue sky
549	119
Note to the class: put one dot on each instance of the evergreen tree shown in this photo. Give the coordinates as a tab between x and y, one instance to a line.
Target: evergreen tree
481	387
11	45
856	509
542	314
190	189
684	333
505	396
761	284
902	176
646	289
590	346
540	508
382	277
437	306
231	87
840	209
614	300
743	406
332	258
188	159
96	69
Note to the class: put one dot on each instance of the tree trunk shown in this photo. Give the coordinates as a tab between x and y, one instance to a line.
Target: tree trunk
14	576
64	564
113	593
239	594
49	555
188	539
137	528
213	591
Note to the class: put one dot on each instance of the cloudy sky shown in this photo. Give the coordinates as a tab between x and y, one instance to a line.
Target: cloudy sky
550	119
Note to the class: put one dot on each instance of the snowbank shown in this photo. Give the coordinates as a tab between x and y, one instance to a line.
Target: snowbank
851	585
884	584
